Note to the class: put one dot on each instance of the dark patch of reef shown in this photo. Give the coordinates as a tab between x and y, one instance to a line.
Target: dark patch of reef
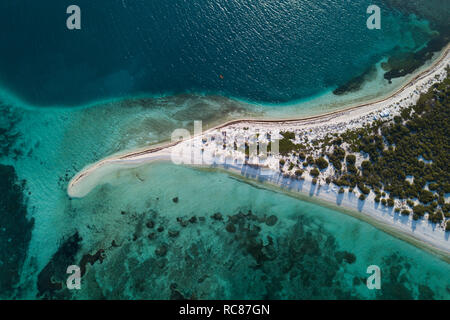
403	63
242	255
51	280
15	230
244	250
245	255
355	83
9	134
436	12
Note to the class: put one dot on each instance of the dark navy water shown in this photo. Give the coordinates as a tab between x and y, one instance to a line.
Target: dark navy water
268	51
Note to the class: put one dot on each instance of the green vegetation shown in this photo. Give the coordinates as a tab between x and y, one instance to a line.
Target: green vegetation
314	172
337	157
322	163
390	202
405	158
286	145
415	144
405	212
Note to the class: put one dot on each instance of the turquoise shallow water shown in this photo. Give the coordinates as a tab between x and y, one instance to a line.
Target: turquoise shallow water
309	252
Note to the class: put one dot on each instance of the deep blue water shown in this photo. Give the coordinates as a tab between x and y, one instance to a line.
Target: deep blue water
269	51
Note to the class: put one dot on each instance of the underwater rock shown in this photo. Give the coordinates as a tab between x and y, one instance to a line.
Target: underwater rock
175	200
152	236
15	229
271	221
88	258
150	224
182	222
202	278
176	295
345	256
53	275
193	219
269	252
161	250
217	216
173	233
160	229
230	228
161	263
355	83
425	293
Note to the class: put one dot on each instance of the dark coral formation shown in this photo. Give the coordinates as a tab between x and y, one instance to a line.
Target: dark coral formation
302	261
15	230
52	277
9	135
355	83
404	63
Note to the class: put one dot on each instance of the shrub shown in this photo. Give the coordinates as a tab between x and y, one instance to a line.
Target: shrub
419	210
351	159
298	172
405	212
425	196
288	135
390	202
322	163
314	172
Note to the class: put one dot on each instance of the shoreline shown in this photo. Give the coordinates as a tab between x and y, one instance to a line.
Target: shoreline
314	126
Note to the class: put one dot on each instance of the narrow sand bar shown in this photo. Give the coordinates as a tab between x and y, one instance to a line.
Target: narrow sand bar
351	117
